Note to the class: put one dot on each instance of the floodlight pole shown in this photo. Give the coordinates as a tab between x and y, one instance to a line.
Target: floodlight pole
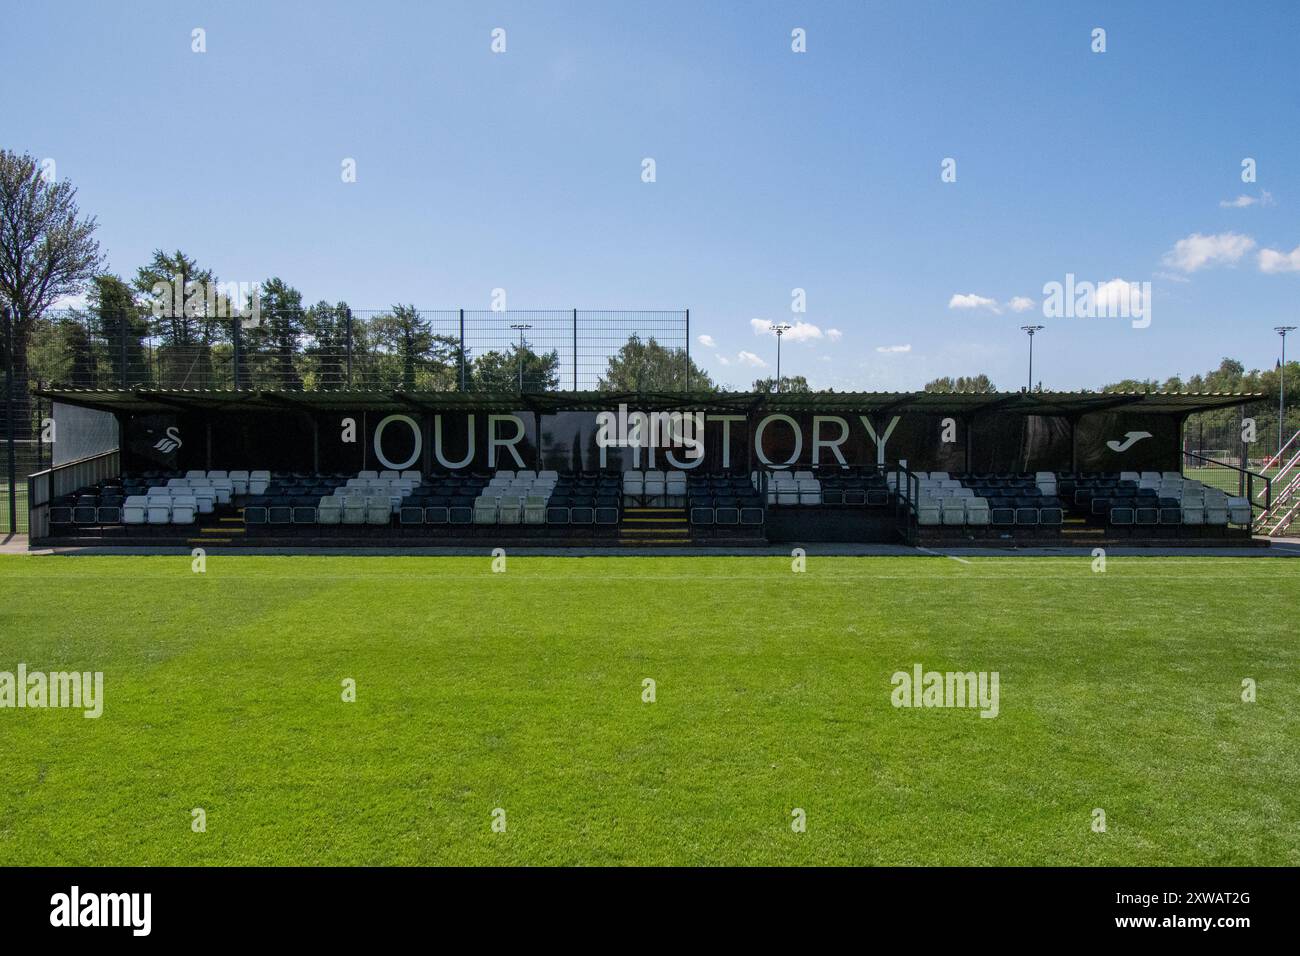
1031	330
780	330
521	326
9	419
1281	330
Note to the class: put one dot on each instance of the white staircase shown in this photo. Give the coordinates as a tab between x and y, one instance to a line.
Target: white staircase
1285	505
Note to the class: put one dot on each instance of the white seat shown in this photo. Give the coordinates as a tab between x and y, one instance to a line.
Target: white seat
1239	511
159	509
205	498
183	508
389	474
535	509
178	482
953	511
656	475
1170	475
485	510
354	510
1193	511
412	476
196	474
135	510
527	473
1130	476
329	510
504	473
549	475
379	509
239	482
218	474
367	474
803	476
510	510
928	512
977	511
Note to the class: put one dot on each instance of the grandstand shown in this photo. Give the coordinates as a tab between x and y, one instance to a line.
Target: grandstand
380	469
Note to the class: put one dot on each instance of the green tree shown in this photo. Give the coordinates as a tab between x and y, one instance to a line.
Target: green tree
47	251
273	341
423	360
647	366
187	316
122	323
795	384
974	384
326	327
499	371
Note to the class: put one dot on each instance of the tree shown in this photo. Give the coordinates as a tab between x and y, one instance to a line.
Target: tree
120	321
974	384
327	328
650	367
188	316
47	251
796	384
422	359
496	371
276	334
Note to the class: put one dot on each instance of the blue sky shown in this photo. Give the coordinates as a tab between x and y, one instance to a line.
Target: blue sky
774	170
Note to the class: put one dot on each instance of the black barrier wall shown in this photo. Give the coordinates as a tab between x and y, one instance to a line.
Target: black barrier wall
342	441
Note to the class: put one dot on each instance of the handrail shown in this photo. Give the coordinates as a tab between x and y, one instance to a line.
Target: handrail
1287	467
1278	456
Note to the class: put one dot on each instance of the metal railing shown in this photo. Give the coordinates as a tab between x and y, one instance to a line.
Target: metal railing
337	348
1230	479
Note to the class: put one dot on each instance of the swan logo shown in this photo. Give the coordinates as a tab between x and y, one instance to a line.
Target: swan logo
170	442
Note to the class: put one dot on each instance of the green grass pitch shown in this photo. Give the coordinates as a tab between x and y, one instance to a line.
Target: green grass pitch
523	691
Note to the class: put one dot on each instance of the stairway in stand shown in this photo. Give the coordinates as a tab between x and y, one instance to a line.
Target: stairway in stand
654	527
223	532
1077	533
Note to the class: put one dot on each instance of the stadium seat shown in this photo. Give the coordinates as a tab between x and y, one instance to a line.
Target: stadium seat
184	508
329	510
159	510
354	510
535	509
379	510
134	510
1239	511
485	510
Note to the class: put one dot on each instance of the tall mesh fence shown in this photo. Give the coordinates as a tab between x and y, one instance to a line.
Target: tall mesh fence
341	348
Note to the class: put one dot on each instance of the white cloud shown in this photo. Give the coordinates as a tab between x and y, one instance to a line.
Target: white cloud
1265	198
1021	303
79	300
723	360
749	358
893	348
1197	251
707	341
799	332
1118	294
1270	260
834	334
970	300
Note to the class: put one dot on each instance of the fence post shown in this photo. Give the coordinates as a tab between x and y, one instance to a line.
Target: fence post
462	350
688	350
121	332
347	326
9	421
234	338
575	351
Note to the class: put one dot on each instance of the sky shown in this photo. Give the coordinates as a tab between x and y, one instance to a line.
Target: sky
774	170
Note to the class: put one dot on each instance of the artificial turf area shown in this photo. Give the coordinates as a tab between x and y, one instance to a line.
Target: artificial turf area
523	691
